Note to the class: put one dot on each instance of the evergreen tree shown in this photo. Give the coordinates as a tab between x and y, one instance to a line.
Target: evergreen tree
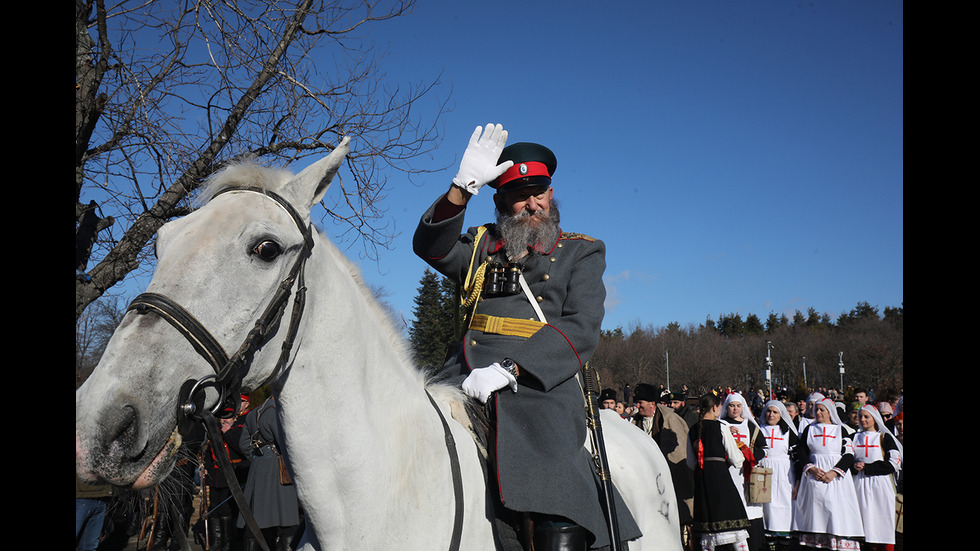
731	325
434	329
775	321
753	325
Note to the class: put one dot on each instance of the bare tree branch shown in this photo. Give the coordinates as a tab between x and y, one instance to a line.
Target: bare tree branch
166	93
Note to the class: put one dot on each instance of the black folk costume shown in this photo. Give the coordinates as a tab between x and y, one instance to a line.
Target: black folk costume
719	513
538	460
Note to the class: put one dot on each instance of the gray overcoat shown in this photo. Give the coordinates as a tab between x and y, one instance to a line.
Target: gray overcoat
273	504
540	463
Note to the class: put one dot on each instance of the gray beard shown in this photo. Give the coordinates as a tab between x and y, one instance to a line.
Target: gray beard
519	233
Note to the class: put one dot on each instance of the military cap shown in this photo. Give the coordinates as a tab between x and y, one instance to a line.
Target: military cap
607	394
534	165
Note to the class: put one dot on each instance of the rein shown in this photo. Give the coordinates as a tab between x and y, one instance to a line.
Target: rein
231	370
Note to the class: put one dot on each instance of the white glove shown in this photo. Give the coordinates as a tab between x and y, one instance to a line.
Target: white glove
479	165
484	381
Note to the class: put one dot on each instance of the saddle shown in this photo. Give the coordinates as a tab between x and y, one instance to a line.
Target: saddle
513	530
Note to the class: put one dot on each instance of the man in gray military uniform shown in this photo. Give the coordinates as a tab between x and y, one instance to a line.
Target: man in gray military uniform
536	297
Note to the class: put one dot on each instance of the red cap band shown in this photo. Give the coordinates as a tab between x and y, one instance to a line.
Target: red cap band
522	170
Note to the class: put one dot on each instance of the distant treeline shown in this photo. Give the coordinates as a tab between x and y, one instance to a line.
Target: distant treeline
805	352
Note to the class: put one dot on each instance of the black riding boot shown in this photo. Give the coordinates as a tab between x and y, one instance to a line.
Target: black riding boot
559	537
219	533
268	535
286	535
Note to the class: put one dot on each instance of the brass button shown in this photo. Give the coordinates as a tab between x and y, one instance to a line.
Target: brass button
472	342
553	259
539	299
545	277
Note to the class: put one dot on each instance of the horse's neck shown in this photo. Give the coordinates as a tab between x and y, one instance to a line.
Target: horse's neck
356	418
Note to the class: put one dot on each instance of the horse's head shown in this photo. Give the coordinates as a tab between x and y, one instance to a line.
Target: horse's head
216	313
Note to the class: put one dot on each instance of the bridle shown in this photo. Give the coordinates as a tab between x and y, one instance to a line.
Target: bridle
231	370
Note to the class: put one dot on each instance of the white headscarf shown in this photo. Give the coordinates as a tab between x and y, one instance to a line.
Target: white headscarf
881	425
811	401
831	408
783	414
736	397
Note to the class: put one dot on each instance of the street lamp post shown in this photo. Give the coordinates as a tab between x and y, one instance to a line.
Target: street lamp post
769	348
840	363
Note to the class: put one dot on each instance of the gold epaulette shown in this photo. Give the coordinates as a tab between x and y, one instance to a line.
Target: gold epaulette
570	235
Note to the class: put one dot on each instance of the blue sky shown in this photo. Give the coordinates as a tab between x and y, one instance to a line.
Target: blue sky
735	157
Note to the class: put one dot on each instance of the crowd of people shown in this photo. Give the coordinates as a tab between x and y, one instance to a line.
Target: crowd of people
830	463
250	440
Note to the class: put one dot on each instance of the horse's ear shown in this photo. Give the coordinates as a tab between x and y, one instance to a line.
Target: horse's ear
316	177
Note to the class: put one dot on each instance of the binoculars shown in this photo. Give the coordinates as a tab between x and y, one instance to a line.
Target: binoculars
501	280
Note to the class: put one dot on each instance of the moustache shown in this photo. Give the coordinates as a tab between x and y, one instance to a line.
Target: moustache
528	214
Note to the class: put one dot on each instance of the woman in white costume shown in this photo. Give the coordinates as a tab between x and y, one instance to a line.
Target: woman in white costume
827	515
877	462
779	432
736	413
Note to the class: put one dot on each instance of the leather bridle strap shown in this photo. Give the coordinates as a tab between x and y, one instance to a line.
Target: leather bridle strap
224	465
188	326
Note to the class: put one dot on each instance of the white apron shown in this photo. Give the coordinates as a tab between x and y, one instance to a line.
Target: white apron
827	508
876	493
778	514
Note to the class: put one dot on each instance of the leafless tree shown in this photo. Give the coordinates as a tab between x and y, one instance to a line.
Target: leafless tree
93	329
167	92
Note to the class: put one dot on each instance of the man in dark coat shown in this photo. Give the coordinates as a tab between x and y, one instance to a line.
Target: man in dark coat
678	402
670	431
536	297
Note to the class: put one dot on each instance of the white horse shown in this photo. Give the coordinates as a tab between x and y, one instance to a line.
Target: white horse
366	445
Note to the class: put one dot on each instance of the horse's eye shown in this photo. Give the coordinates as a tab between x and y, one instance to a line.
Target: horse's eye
267	250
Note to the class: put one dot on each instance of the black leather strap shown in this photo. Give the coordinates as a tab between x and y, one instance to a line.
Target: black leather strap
224	465
457	477
185	323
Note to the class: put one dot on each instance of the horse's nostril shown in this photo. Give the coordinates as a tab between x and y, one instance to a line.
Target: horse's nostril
123	430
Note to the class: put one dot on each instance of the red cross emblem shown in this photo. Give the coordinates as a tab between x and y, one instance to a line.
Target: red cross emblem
773	438
866	446
825	436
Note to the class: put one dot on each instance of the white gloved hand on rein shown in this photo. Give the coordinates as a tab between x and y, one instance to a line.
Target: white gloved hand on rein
479	164
484	381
